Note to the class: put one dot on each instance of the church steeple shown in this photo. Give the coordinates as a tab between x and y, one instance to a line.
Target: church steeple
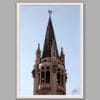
49	71
49	38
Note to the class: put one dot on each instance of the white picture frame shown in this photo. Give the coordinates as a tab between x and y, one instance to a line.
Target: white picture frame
81	53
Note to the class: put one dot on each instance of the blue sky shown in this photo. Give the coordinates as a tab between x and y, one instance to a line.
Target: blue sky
33	24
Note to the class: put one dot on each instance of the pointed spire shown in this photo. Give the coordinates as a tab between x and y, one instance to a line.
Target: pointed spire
49	38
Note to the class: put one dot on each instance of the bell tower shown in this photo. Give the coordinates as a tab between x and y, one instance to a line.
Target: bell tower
49	71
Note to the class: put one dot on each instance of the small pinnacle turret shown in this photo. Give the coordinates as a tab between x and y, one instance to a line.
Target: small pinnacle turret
62	56
38	51
61	53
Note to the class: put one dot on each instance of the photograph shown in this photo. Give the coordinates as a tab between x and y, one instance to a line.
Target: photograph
49	50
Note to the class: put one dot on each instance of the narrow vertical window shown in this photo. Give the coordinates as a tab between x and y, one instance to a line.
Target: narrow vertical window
42	77
47	77
62	80
39	78
58	78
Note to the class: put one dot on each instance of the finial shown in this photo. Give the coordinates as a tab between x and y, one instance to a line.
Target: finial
49	11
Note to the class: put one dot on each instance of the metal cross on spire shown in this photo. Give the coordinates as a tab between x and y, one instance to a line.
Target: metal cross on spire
50	12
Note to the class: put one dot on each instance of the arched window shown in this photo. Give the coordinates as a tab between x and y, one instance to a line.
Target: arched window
58	78
42	77
47	77
42	68
58	69
47	67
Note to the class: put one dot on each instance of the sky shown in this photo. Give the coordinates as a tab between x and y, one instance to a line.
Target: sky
33	22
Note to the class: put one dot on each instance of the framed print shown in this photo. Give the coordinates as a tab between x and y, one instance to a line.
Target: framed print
50	50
